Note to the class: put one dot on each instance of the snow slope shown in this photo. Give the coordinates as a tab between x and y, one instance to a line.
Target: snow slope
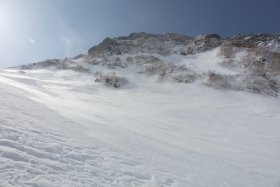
60	128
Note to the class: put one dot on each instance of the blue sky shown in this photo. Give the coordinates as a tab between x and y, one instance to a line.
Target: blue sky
33	30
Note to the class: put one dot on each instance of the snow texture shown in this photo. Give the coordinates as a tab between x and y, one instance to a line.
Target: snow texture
61	128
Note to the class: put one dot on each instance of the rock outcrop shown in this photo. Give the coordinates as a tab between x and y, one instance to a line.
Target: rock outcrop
256	58
162	44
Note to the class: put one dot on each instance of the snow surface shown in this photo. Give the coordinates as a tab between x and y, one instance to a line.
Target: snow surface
202	62
60	128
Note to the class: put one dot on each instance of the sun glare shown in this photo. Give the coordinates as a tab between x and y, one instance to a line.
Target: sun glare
9	24
4	20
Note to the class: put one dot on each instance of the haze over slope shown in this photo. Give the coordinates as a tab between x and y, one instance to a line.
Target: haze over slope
146	110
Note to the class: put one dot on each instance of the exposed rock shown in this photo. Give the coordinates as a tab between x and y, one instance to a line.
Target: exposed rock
146	59
113	64
111	80
163	44
208	36
212	36
268	41
261	85
154	69
129	60
260	62
108	46
220	81
185	78
43	64
249	83
79	68
79	56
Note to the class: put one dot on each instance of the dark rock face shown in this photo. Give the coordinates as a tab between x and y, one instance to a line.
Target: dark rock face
184	78
255	41
108	45
163	44
212	36
204	43
111	80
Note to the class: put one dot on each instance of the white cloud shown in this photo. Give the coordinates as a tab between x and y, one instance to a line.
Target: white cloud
32	41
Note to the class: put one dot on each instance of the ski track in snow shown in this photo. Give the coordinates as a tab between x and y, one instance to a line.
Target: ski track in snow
60	128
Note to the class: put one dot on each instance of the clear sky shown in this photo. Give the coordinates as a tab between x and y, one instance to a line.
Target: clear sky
33	30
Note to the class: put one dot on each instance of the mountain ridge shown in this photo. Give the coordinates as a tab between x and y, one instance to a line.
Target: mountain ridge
255	60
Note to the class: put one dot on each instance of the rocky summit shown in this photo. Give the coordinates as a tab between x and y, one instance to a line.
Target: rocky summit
248	62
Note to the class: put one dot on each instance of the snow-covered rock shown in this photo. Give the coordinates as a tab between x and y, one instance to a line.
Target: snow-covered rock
245	56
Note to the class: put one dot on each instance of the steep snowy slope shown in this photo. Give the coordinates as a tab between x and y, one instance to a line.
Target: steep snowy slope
139	119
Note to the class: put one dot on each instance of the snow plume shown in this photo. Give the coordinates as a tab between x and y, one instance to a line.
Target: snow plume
70	39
